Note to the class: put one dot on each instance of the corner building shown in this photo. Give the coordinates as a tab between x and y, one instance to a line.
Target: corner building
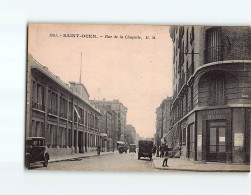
60	112
211	93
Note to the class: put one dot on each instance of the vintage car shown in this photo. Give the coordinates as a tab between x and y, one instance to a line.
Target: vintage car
122	147
145	149
132	148
35	151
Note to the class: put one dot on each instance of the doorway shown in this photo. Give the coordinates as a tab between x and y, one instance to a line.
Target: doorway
85	142
190	141
80	142
216	141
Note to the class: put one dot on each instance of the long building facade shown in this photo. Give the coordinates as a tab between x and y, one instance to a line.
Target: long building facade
211	93
60	112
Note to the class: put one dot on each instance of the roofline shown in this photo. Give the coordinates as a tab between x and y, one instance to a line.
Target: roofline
73	82
56	79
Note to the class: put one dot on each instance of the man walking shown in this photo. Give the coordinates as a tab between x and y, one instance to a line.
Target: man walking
164	164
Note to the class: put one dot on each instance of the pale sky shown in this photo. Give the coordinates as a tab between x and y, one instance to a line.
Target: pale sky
137	72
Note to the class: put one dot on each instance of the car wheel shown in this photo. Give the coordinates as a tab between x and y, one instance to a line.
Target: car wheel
45	163
27	162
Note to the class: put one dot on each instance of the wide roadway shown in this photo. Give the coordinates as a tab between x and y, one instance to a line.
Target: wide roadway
108	162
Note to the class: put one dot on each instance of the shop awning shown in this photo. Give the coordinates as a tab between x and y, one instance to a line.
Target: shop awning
76	112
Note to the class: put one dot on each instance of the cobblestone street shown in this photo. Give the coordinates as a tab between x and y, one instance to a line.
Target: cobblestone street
108	162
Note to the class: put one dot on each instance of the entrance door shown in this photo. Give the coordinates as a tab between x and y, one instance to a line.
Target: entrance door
190	141
80	142
216	142
85	142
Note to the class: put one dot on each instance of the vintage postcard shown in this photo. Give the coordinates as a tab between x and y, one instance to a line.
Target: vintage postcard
139	98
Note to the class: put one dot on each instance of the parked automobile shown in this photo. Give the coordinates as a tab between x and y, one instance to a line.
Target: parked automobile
35	151
145	149
132	148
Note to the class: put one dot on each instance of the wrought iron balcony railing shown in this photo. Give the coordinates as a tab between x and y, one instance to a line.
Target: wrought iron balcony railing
38	106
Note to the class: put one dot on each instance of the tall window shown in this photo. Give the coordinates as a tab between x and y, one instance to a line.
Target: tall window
187	45
63	107
86	117
40	94
192	63
191	97
53	103
192	35
216	90
70	110
213	45
34	92
184	136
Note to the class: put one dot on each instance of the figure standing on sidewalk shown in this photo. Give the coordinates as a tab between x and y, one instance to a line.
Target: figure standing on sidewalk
165	159
162	151
157	154
98	150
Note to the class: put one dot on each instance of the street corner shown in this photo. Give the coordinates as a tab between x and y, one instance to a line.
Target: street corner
158	162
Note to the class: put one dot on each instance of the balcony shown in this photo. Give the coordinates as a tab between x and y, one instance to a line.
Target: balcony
38	106
63	115
213	54
52	111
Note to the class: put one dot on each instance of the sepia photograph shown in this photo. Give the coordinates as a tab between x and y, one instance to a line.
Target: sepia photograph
138	98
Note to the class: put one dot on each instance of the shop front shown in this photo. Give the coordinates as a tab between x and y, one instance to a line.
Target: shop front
223	135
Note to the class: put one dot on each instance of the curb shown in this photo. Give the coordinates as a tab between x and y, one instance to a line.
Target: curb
199	170
76	158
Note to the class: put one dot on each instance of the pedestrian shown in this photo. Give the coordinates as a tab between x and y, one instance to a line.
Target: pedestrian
154	149
162	151
164	164
98	150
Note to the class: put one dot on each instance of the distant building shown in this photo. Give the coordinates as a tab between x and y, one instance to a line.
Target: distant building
211	93
163	120
121	112
108	127
130	134
158	124
60	112
138	138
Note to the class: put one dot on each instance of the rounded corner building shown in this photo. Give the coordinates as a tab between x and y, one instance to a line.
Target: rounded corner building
210	113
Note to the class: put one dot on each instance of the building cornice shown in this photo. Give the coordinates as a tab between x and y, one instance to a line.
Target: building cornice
56	79
204	108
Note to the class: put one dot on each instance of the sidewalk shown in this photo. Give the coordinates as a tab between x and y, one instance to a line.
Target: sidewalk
179	164
79	156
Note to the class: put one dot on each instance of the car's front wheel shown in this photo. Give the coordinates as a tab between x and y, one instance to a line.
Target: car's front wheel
45	163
